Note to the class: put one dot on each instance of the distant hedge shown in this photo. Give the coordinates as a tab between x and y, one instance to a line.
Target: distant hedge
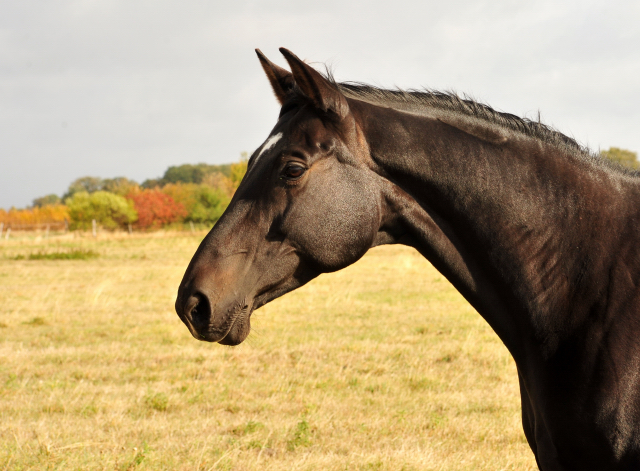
187	193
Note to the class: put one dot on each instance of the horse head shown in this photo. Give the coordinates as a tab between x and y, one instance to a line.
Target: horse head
308	204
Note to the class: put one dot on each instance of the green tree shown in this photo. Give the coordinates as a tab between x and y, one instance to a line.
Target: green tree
46	200
109	210
119	185
624	157
192	173
208	206
186	173
151	183
88	184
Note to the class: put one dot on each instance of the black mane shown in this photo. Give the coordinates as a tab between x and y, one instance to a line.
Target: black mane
452	102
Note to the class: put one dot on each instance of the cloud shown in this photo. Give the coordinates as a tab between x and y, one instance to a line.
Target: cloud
129	88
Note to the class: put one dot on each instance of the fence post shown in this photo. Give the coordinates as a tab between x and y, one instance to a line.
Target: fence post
130	229
192	228
8	232
93	225
46	234
66	225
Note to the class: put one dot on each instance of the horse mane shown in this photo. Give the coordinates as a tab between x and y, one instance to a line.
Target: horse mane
451	101
416	100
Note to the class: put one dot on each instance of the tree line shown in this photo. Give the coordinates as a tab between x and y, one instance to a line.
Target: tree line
190	193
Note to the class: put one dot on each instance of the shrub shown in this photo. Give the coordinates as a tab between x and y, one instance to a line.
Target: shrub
109	210
202	203
155	208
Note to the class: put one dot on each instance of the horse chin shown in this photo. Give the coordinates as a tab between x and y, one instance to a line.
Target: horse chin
239	330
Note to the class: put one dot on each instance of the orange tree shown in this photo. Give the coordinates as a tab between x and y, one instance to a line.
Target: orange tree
156	209
23	218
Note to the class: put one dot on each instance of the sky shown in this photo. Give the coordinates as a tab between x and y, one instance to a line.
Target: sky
113	88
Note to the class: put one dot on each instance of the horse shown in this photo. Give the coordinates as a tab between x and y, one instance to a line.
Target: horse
536	232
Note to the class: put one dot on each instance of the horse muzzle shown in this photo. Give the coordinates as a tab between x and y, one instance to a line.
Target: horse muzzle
226	323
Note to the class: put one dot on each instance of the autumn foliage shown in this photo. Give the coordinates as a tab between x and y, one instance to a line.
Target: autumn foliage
32	217
156	209
193	194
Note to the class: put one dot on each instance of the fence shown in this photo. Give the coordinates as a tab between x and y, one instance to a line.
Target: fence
42	226
6	228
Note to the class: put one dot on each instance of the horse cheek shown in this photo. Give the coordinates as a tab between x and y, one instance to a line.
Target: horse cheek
340	226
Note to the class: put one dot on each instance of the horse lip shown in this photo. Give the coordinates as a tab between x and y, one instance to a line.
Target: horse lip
244	311
209	336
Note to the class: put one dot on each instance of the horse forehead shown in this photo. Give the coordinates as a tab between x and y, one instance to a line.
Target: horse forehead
271	141
306	125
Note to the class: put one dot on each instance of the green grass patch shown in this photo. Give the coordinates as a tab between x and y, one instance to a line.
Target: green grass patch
74	254
36	321
300	436
158	401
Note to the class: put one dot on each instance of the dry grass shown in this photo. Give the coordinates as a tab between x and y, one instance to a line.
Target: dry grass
381	366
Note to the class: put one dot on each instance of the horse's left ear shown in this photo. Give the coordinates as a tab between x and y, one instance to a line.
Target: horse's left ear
281	80
323	93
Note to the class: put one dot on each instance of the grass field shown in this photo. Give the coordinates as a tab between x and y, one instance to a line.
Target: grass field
382	366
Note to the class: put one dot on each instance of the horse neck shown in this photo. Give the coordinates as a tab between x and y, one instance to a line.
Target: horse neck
510	225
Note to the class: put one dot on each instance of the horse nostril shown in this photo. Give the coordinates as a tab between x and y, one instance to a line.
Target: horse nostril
199	310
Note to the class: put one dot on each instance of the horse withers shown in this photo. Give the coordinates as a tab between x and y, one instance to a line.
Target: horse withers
539	235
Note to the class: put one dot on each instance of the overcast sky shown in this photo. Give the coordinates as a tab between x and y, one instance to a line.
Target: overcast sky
127	88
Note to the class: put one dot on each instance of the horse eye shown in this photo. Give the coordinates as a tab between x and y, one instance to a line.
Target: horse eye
294	171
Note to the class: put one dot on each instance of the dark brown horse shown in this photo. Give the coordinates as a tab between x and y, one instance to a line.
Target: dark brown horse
540	236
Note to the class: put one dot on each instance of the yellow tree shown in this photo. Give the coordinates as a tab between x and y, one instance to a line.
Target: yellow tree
238	170
624	157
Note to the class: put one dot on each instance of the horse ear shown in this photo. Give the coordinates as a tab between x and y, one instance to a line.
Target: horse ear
281	80
324	94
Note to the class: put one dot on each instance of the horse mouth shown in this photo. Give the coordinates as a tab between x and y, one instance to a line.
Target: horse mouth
233	331
228	326
239	327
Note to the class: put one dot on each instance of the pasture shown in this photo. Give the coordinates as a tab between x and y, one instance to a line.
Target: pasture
381	366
